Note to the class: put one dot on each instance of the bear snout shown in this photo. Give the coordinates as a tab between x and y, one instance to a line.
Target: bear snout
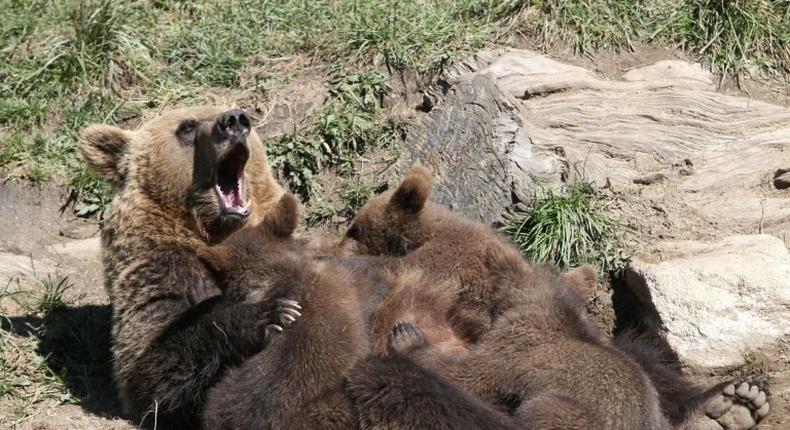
235	125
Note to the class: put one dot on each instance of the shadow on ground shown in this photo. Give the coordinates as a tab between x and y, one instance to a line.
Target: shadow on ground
75	344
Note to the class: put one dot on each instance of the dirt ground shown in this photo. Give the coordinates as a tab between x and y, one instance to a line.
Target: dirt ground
37	240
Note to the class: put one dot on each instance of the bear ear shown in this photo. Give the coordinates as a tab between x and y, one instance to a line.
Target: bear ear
582	281
413	192
218	258
283	219
104	149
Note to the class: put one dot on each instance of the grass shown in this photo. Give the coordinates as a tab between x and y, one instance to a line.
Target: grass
67	64
347	126
569	229
358	192
730	36
53	297
26	376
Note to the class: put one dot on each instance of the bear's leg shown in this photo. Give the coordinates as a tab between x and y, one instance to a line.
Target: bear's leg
551	411
397	393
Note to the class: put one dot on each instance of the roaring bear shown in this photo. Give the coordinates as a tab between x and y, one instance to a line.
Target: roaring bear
183	180
535	353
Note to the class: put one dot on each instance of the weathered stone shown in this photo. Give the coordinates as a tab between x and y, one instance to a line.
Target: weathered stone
503	118
468	142
717	301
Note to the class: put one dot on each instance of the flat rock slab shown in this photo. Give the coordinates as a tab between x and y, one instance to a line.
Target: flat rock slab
502	119
717	301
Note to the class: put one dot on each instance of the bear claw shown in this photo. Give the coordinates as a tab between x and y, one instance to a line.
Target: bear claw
405	337
740	405
287	312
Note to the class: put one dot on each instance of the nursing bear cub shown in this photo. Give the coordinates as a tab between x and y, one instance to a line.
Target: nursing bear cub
299	380
532	351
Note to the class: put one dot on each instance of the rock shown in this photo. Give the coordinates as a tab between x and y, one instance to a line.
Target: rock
502	119
716	301
80	230
673	72
13	265
83	249
469	143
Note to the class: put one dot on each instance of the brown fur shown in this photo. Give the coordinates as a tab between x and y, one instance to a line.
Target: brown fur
166	308
297	381
534	352
491	273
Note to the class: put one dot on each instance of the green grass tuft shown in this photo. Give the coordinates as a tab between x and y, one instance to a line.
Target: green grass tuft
569	229
348	125
53	296
298	160
26	377
731	36
320	211
358	192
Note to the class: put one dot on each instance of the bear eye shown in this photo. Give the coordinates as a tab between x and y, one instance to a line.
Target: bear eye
186	129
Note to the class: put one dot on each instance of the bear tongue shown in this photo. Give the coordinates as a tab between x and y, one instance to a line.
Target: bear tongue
230	188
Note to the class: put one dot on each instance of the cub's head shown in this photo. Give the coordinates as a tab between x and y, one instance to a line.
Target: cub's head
246	256
204	163
392	222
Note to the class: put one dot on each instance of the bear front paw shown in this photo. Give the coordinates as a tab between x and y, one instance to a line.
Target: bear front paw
284	315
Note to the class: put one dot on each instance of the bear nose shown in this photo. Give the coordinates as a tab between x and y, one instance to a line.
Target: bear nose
235	124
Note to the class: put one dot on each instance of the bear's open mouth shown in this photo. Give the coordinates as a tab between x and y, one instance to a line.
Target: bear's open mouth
230	182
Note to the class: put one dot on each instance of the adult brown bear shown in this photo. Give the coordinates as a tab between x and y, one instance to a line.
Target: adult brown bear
183	180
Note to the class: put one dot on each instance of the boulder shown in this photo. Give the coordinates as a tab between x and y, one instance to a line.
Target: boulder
716	301
502	120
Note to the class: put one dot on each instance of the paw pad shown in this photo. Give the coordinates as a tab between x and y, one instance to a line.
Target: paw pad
741	404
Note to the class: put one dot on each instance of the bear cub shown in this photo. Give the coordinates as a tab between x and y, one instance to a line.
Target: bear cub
535	355
297	381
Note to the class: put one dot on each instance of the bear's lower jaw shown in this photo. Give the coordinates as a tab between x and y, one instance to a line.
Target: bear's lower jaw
232	200
230	186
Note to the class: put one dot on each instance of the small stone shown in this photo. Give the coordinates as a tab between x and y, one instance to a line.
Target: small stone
743	389
729	390
80	231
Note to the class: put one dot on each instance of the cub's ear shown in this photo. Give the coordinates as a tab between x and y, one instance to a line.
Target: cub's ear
413	192
218	258
283	219
582	281
104	149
